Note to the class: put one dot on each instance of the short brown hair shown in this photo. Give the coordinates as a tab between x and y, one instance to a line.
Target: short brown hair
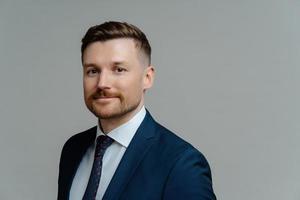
113	30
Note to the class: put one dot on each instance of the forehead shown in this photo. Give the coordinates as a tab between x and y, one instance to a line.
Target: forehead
115	49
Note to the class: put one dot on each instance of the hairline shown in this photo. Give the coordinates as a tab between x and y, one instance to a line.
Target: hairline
142	55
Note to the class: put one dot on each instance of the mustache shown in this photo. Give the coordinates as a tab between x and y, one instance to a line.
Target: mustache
104	93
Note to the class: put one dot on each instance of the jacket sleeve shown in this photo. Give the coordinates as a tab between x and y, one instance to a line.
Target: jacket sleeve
190	178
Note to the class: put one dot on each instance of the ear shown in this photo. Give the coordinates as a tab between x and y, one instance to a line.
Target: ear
149	74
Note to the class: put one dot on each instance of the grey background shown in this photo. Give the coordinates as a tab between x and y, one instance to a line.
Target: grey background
227	81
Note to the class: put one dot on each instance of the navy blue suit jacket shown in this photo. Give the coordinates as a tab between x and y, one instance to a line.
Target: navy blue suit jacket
156	165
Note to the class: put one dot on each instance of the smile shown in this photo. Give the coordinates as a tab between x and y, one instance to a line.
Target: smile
104	99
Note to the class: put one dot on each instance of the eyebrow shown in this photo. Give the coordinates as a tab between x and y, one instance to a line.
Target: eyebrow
119	62
85	65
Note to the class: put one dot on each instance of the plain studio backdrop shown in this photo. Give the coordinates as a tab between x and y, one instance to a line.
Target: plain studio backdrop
227	81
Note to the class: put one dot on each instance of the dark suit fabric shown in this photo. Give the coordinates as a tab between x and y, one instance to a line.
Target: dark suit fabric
156	165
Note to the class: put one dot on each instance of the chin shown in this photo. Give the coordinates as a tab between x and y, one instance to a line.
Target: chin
104	114
114	113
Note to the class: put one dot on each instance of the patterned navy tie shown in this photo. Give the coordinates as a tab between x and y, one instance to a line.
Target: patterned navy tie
102	143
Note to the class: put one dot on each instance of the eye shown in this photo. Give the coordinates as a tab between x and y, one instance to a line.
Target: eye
120	69
91	72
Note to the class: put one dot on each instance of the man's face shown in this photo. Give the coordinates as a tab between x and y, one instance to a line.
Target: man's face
115	77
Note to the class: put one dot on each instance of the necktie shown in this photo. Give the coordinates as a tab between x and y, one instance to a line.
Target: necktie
102	143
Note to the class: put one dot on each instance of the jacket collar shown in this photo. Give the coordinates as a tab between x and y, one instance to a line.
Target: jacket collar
137	149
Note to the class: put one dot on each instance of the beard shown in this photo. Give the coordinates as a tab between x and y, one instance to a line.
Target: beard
113	110
114	113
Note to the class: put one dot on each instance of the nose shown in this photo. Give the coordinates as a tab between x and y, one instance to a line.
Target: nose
104	80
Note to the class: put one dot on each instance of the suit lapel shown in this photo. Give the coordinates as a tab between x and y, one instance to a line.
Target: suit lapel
137	149
75	154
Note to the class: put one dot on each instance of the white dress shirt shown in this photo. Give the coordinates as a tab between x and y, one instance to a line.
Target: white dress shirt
122	136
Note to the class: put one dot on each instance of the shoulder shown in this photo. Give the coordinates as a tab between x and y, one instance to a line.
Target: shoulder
76	146
167	144
80	140
189	171
172	141
175	148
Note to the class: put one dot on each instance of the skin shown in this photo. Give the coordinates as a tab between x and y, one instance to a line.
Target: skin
116	75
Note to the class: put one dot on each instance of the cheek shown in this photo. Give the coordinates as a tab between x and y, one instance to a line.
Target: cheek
85	91
134	90
88	86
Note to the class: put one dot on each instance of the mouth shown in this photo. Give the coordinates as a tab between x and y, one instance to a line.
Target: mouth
104	99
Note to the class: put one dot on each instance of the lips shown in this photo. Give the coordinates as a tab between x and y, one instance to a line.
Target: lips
104	100
105	97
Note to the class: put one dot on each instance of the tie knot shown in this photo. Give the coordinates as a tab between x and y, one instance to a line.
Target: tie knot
103	142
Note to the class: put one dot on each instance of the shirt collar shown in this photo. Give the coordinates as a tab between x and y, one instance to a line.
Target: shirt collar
124	133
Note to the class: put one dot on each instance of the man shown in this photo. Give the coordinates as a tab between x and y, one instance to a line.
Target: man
127	155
